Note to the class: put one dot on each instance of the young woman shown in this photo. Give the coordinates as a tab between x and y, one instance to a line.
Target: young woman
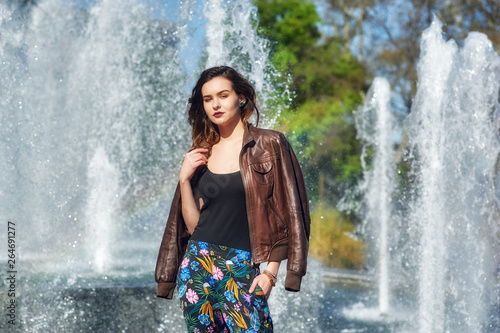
240	201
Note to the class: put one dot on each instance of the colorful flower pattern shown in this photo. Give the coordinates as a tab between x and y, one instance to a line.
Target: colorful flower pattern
217	273
213	285
192	296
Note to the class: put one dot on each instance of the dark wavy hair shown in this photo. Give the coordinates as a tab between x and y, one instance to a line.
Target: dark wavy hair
205	133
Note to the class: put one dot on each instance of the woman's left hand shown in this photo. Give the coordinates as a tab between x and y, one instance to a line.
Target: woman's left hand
264	283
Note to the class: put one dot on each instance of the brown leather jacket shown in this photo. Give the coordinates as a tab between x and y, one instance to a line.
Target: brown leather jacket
277	207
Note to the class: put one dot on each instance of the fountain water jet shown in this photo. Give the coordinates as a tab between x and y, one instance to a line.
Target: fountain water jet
103	178
453	130
228	40
440	237
375	125
94	126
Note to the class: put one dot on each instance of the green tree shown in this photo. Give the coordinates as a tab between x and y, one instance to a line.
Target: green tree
328	83
291	26
388	32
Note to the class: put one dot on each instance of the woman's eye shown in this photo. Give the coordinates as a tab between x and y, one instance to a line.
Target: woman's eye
223	96
207	100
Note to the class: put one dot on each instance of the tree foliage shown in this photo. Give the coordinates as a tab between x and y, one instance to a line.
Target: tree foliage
292	27
327	71
333	241
328	83
387	33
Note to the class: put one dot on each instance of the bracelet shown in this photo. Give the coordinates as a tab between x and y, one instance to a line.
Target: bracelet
272	278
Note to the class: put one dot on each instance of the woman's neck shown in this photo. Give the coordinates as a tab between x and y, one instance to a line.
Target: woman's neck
231	132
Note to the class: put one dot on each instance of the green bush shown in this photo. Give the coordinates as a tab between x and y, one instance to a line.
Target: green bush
333	241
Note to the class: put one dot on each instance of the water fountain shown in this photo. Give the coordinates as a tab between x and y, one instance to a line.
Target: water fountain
93	130
94	126
449	218
376	125
453	128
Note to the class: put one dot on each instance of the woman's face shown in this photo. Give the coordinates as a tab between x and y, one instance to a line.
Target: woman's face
221	102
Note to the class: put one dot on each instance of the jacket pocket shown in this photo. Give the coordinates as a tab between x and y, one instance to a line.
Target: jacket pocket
262	172
285	226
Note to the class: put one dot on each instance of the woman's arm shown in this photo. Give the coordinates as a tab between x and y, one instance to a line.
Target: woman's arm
191	204
190	200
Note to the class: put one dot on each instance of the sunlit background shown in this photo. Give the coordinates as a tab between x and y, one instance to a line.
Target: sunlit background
391	106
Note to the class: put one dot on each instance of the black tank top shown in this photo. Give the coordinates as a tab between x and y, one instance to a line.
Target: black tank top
223	216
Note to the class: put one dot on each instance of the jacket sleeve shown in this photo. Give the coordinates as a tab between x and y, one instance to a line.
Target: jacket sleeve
172	248
300	220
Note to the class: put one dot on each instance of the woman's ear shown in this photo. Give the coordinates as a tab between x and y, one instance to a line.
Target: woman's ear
242	99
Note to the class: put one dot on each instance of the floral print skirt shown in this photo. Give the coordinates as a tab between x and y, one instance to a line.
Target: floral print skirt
213	283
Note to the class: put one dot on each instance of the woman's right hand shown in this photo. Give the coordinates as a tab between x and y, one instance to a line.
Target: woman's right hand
192	160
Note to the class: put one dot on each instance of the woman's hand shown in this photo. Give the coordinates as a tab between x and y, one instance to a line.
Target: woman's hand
192	160
264	283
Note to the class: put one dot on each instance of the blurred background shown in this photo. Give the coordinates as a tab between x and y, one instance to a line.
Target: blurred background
391	106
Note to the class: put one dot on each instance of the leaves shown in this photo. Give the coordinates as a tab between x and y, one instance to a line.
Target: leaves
238	319
232	286
328	82
333	241
206	308
207	263
254	321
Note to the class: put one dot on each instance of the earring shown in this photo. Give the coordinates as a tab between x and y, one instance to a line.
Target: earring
242	104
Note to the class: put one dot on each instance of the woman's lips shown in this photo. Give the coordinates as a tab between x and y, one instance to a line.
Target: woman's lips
218	114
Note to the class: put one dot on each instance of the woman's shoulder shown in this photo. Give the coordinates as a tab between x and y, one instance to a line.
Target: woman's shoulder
269	136
266	132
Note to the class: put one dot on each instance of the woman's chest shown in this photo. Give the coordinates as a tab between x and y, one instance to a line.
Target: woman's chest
225	159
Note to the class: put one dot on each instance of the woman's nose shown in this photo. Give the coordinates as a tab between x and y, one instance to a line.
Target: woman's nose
216	103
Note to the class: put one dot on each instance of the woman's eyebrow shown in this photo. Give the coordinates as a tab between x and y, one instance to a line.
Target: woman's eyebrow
220	92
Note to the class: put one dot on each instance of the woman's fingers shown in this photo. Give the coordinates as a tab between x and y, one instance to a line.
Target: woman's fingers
264	284
199	150
197	160
197	154
192	160
254	284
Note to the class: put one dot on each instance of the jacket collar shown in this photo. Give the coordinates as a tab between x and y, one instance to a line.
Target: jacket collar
247	135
